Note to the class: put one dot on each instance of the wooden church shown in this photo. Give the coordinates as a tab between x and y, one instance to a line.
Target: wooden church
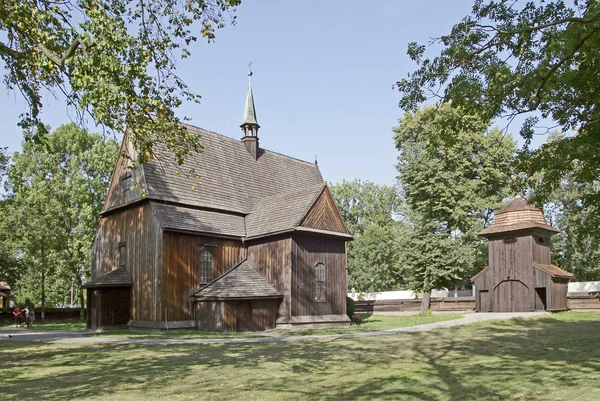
258	244
520	276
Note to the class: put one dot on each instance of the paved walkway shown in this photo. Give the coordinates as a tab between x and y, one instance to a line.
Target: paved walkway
57	336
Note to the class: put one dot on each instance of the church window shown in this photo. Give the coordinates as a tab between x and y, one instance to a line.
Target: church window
206	266
320	282
122	254
127	181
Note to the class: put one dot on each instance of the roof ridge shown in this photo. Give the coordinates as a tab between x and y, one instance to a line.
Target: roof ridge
238	141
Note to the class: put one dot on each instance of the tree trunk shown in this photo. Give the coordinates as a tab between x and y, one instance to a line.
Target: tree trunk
43	266
43	293
426	302
81	300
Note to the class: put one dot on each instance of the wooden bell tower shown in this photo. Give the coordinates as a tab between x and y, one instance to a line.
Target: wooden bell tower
520	276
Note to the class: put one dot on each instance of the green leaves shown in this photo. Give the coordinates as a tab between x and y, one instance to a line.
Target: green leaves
56	190
453	171
113	61
510	58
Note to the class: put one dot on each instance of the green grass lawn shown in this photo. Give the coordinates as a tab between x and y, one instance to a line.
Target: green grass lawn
553	358
371	323
50	325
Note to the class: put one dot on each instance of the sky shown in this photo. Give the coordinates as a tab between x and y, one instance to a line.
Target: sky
322	83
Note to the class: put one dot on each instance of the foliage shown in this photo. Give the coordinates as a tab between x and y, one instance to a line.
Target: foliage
4	159
454	170
368	210
435	260
453	173
113	60
362	203
350	307
56	189
533	59
375	259
576	248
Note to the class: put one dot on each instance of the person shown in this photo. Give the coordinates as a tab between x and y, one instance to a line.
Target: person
26	316
31	314
17	313
23	317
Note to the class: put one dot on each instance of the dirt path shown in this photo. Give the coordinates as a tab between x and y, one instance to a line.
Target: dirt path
57	336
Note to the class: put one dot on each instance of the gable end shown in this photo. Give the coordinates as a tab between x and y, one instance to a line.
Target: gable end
324	215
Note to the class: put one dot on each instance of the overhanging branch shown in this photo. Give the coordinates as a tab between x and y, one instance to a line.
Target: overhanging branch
60	61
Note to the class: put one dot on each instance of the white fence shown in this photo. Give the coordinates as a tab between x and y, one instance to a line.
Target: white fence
584	286
386	295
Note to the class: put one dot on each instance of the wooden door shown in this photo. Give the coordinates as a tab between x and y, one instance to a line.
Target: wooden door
485	301
511	296
244	316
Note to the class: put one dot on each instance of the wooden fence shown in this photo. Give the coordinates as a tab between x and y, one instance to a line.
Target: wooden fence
456	304
52	314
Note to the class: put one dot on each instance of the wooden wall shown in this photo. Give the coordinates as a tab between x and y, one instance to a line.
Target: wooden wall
541	252
180	257
306	252
139	230
324	215
116	196
272	258
251	315
237	315
209	315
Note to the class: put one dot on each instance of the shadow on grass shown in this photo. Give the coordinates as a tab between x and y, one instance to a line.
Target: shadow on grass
493	361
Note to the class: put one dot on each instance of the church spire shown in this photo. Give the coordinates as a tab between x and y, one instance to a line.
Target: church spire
249	125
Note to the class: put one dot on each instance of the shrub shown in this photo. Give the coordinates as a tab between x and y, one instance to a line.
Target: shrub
350	307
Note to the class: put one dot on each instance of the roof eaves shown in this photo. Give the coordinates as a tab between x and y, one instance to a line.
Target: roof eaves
481	272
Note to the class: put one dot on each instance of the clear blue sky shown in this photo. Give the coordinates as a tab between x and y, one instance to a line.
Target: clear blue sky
323	76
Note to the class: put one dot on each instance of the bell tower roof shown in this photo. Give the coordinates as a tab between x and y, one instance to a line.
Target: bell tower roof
518	215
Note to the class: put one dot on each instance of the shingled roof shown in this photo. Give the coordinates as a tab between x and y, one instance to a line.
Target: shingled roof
554	271
114	278
230	178
518	215
241	282
282	211
187	219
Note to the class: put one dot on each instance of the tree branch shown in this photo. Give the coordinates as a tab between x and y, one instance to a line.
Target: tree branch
68	54
11	52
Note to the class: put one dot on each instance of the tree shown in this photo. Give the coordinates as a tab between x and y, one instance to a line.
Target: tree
454	172
375	259
362	203
576	248
113	60
368	210
434	261
510	58
57	190
3	164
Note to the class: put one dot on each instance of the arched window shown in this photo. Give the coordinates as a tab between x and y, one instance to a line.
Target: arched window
319	282
206	266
